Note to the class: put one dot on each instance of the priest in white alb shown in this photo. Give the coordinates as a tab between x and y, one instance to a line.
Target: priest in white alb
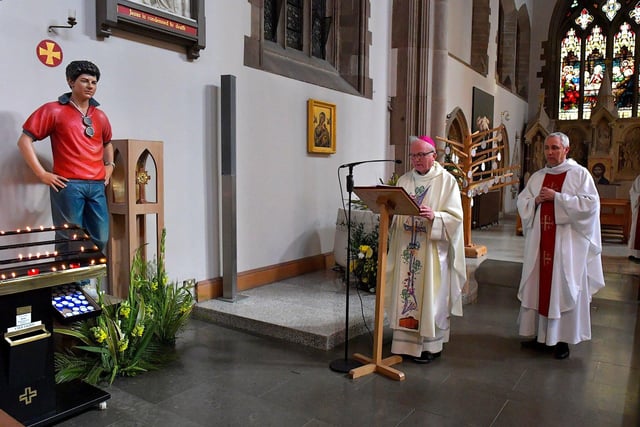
634	235
562	268
425	265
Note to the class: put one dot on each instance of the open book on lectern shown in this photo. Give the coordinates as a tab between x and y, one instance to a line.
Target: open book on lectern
394	198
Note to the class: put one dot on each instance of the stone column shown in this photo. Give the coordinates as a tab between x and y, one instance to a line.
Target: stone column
439	70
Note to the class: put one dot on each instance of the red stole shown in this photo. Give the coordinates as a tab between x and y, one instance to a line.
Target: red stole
636	241
547	242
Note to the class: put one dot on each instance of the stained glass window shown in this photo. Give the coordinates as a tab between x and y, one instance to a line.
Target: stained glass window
569	76
610	8
298	34
270	20
595	49
295	19
635	13
598	40
584	19
314	41
623	76
320	24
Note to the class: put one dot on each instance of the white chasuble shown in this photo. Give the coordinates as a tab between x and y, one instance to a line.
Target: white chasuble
426	266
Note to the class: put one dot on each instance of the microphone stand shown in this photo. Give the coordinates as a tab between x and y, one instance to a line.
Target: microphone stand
345	365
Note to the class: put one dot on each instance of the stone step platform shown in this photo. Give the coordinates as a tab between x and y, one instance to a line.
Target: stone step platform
309	309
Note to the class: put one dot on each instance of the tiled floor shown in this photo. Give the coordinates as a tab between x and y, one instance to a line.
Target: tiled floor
225	377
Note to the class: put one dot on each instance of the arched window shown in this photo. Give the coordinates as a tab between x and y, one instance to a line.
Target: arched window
324	42
595	38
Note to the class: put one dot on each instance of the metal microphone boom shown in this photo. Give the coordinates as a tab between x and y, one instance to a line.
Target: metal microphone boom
349	165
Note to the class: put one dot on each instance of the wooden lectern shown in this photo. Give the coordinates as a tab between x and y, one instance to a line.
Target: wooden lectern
386	201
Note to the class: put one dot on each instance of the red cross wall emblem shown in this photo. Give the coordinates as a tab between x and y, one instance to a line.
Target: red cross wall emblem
49	53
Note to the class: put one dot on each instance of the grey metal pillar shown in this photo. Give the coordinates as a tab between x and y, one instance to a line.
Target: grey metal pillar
228	180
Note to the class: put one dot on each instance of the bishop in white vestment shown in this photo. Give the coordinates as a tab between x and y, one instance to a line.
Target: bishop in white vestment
425	266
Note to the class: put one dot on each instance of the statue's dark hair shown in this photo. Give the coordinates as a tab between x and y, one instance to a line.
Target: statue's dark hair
75	68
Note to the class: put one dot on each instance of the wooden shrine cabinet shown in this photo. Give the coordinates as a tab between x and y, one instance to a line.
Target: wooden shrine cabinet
136	206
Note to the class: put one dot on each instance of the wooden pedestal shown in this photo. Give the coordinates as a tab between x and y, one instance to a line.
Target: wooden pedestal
136	205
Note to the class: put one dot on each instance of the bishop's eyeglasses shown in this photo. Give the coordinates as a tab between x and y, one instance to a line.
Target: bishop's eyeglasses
421	155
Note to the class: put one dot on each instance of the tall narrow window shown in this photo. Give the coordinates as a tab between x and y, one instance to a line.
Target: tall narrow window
270	20
295	24
570	76
624	72
594	68
320	25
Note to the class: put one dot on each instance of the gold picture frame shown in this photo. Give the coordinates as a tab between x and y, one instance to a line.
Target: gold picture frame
321	127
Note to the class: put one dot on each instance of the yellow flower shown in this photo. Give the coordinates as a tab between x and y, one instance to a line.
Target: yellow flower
122	345
365	251
154	285
99	334
125	310
138	330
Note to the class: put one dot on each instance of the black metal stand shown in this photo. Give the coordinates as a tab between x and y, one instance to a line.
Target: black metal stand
345	364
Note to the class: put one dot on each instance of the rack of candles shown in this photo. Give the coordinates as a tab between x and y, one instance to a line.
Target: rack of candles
476	163
71	304
42	271
30	252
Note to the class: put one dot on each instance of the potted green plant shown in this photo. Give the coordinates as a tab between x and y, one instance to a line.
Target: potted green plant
131	336
364	256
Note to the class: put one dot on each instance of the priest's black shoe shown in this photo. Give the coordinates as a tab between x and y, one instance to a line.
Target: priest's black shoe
561	351
427	357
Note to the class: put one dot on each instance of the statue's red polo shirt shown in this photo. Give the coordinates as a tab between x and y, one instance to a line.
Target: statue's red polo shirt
75	155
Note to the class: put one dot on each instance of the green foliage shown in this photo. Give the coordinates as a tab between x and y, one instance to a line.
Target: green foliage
171	303
393	179
132	336
364	255
360	205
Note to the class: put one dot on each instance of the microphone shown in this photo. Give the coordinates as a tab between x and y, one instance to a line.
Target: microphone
350	165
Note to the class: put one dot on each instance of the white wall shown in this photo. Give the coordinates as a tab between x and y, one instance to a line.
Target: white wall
287	199
461	80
